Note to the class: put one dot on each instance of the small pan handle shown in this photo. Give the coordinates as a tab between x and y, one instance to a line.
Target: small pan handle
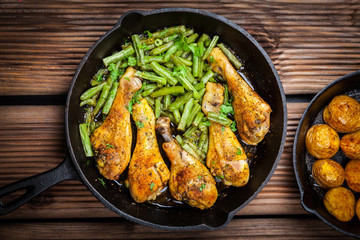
37	184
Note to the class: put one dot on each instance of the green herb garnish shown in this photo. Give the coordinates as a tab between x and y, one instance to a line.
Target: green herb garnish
152	186
102	181
239	152
202	187
139	124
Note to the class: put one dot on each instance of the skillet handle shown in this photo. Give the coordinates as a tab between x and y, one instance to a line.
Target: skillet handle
37	184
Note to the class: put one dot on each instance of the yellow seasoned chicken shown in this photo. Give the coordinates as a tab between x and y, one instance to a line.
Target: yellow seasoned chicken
226	158
148	173
112	140
190	180
252	113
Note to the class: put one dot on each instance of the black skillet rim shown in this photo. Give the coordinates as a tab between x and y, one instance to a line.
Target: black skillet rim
178	10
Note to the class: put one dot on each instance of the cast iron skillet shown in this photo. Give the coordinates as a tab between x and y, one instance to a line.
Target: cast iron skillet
263	78
311	194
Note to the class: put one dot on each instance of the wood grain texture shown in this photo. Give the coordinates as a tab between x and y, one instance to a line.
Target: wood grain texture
238	228
311	43
32	140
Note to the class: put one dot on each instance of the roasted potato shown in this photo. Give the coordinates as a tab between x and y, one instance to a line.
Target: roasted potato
352	175
350	145
358	208
328	173
343	114
322	141
340	202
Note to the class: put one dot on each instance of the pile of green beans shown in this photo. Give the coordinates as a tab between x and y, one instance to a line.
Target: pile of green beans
172	64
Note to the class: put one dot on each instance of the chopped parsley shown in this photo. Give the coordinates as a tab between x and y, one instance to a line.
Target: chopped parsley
211	59
109	146
202	187
148	33
139	124
152	186
179	71
220	176
102	181
131	62
233	126
226	109
239	152
207	123
222	128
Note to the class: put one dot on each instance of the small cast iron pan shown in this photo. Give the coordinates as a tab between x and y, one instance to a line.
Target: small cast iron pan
263	78
311	194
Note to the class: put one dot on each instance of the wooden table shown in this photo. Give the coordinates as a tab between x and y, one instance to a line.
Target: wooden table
311	43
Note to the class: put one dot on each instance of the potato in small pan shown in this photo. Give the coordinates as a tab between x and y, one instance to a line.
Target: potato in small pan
343	114
322	141
352	175
340	202
328	173
350	145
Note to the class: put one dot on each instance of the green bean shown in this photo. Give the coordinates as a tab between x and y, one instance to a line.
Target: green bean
92	91
104	94
167	90
199	116
162	71
148	92
203	125
177	116
169	65
196	149
203	137
201	67
221	119
180	101
186	114
180	64
186	54
191	151
150	100
170	52
85	139
151	77
178	53
168	114
179	140
209	74
111	98
167	101
90	102
199	86
201	93
203	38
119	56
188	86
191	38
157	107
188	32
226	95
161	49
201	48
232	58
149	59
170	38
189	131
158	42
211	46
169	31
185	61
195	109
138	49
195	69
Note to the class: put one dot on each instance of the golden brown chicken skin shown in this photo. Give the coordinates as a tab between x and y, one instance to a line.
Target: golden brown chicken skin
148	173
252	113
112	140
190	180
226	158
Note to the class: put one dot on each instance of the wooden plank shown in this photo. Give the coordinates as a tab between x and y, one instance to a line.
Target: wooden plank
238	228
310	43
32	140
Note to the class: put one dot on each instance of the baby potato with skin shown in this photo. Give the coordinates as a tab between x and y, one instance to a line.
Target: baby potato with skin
343	114
322	141
340	202
350	145
328	173
352	175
